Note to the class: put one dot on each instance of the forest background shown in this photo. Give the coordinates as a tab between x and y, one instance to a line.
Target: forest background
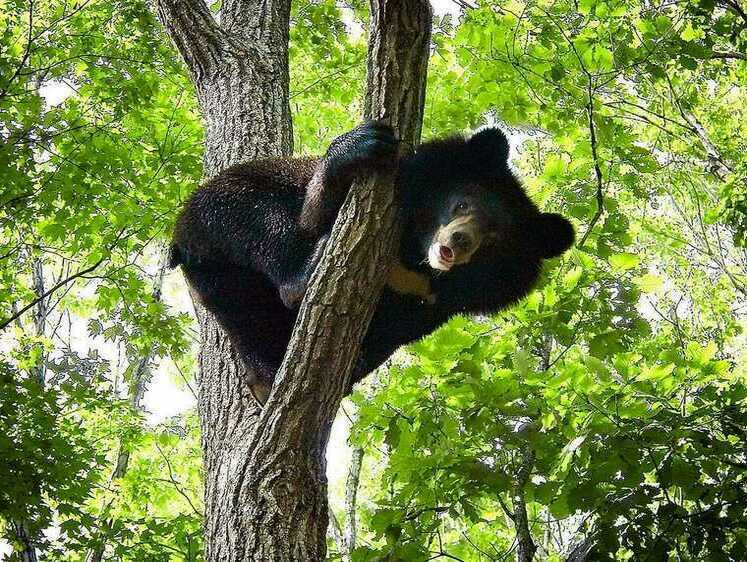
608	406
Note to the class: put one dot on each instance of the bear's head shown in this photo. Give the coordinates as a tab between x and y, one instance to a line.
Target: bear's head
465	204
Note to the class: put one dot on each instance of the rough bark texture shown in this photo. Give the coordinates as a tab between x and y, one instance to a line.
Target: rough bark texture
582	551
265	484
240	72
397	64
23	536
41	311
351	496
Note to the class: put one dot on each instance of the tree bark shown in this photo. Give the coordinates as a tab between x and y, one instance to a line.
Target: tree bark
582	551
351	497
25	538
41	311
265	484
243	98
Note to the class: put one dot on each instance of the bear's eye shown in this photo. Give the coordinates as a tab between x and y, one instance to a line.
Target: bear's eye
461	207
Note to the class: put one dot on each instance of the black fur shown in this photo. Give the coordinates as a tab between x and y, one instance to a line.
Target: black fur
249	239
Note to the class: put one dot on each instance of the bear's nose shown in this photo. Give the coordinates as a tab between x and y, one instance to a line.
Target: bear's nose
460	239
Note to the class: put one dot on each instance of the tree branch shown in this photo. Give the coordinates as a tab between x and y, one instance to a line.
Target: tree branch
581	551
597	168
5	322
351	496
175	483
717	165
592	130
716	161
138	384
398	49
735	7
195	33
728	55
26	52
506	510
336	533
82	273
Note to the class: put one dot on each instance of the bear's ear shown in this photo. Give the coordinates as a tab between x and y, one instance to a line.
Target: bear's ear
489	147
551	234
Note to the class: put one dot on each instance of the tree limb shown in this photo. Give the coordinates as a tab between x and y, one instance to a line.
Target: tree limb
336	532
581	551
195	33
138	385
716	161
735	7
351	495
6	321
26	52
597	169
82	273
506	510
717	166
728	55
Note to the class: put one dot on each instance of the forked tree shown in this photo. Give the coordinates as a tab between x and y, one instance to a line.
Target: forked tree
265	484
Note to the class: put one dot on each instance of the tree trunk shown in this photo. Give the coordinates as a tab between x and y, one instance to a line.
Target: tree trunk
265	484
41	311
582	551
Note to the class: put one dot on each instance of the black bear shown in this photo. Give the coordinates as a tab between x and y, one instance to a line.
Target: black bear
473	242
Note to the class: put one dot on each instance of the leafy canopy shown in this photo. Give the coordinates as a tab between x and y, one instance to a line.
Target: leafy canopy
609	405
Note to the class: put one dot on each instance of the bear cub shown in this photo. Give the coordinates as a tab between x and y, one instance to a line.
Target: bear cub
473	242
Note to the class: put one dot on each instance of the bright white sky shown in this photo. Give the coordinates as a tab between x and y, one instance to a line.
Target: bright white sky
441	7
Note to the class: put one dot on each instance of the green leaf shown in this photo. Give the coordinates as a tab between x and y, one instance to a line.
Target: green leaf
648	283
624	261
393	434
571	278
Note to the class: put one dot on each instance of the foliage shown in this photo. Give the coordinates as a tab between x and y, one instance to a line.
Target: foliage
90	182
100	144
654	465
45	453
154	511
323	103
618	386
610	404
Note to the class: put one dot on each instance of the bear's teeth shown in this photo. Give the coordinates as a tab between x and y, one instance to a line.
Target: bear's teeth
434	259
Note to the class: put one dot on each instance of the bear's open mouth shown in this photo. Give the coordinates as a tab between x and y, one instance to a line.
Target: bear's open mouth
440	257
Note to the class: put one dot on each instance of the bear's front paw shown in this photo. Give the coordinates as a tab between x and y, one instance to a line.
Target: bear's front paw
363	149
375	142
430	298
